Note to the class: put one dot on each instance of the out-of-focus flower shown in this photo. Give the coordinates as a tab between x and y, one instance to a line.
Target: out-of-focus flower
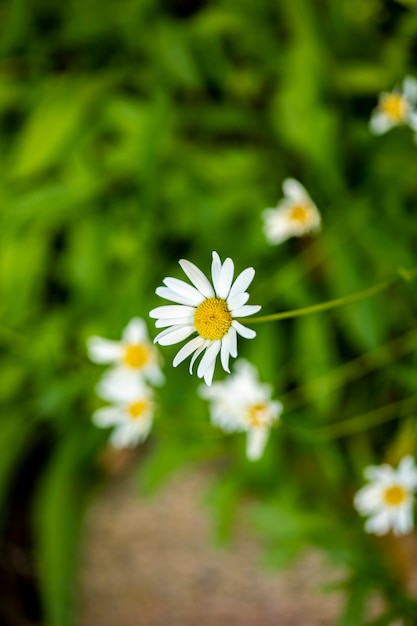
388	498
208	310
135	352
242	403
131	410
396	107
294	216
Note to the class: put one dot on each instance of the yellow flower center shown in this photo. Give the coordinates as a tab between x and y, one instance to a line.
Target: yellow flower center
394	106
137	409
299	213
395	495
212	319
136	355
256	414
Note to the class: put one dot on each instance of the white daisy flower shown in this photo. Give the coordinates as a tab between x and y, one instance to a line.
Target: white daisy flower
131	411
209	310
388	498
294	216
135	352
396	107
242	403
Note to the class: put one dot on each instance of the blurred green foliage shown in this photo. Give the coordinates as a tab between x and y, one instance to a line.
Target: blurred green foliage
137	132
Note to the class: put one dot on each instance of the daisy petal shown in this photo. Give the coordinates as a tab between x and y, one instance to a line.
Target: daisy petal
245	332
188	349
412	119
382	473
209	373
225	279
197	278
255	442
379	523
242	282
102	350
124	437
232	340
119	386
174	321
410	89
208	358
172	310
294	190
184	289
403	522
225	353
380	123
173	335
107	416
244	311
168	294
135	332
216	267
407	472
234	302
197	354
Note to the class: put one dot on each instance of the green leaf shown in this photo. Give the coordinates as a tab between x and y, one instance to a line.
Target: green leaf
58	513
15	433
50	128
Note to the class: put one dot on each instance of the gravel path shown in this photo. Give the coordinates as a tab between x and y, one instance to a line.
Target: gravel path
152	562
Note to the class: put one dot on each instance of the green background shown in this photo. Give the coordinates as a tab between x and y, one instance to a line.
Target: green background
137	132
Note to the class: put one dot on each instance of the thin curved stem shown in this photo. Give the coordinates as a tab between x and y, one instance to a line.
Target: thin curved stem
370	361
11	335
337	302
361	423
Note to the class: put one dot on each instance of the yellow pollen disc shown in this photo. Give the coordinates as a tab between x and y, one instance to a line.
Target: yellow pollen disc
136	355
395	495
299	213
256	414
137	409
212	319
394	106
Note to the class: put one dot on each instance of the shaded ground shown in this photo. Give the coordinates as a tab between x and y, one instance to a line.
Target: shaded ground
153	563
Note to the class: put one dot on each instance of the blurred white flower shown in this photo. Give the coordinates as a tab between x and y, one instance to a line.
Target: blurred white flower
135	352
388	498
396	107
208	310
294	216
242	403
131	411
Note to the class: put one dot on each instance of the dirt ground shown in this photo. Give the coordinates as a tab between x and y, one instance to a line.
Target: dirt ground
153	562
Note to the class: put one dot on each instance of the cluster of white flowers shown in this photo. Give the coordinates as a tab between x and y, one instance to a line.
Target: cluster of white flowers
395	108
242	403
210	310
209	313
295	215
126	385
388	498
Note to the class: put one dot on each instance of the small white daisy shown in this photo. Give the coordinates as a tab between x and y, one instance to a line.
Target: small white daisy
208	310
294	216
131	411
388	498
242	403
396	107
135	352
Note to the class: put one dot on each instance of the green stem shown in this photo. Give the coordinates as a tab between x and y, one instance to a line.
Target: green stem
360	423
352	370
11	335
337	302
